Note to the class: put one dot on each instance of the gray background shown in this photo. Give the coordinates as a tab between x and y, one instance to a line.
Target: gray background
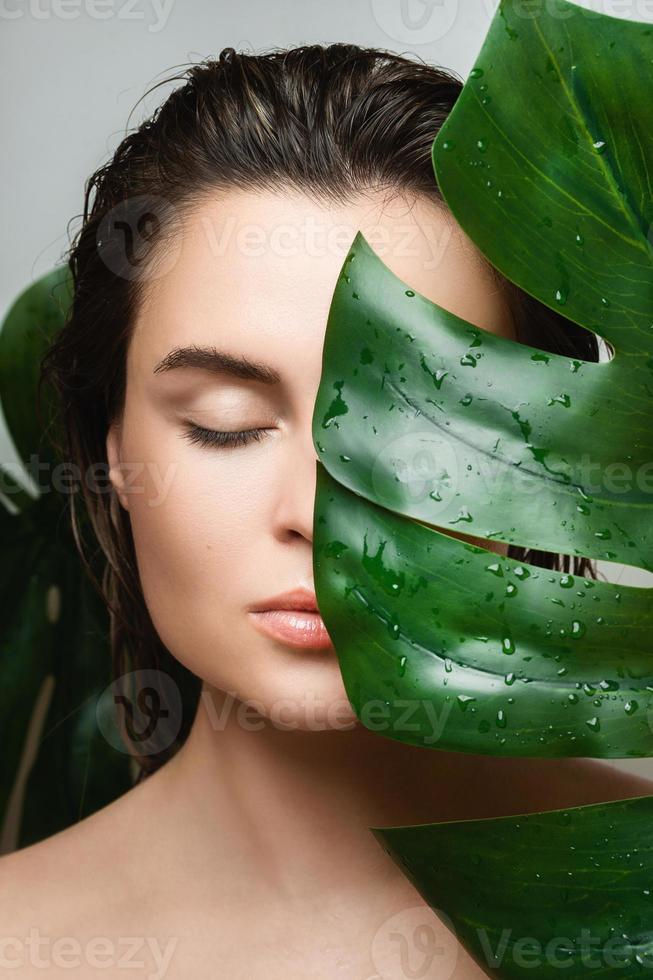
72	71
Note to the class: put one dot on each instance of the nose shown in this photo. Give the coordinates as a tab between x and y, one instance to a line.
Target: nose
293	516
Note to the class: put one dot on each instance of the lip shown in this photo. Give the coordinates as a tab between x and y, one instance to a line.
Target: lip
299	599
293	618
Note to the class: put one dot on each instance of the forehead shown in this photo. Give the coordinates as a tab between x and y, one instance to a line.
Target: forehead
253	272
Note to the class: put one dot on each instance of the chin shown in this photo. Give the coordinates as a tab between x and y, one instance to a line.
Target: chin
290	690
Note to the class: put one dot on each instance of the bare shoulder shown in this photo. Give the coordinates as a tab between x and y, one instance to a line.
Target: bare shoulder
70	876
82	898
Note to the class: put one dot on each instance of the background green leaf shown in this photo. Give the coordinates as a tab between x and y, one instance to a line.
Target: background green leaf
27	331
53	625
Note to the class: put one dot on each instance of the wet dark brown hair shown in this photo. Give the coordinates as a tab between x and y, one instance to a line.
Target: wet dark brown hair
328	120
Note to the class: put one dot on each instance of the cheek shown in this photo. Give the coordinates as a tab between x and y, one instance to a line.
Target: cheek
198	517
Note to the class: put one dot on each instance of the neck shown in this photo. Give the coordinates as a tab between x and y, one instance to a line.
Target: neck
291	809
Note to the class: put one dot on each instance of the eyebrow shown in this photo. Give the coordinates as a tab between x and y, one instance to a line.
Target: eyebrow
218	362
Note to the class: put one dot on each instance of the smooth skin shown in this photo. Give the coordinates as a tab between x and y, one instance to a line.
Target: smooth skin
251	847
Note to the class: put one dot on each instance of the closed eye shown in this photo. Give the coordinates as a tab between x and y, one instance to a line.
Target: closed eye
215	439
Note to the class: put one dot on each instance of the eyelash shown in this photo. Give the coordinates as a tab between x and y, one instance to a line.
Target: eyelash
222	440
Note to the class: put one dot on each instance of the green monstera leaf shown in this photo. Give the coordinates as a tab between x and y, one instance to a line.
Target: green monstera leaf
540	674
28	329
520	446
54	629
563	893
425	424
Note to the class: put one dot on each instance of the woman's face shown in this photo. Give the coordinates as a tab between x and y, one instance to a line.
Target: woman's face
219	529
